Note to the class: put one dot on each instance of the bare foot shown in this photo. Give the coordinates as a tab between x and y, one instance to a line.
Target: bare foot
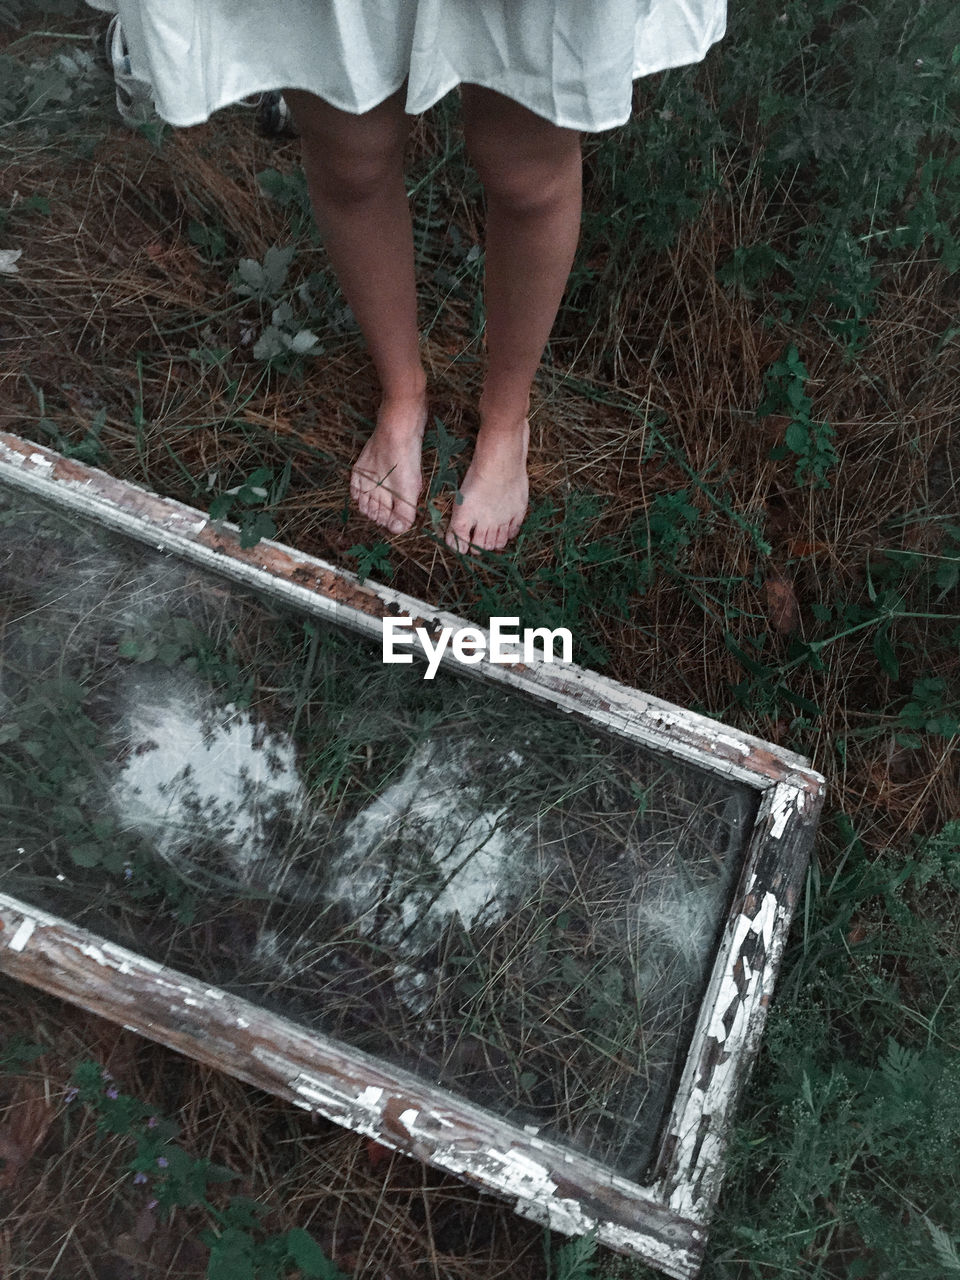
386	480
494	492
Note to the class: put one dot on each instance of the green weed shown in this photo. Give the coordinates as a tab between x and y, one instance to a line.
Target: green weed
810	441
18	1052
574	1260
239	1247
373	559
289	190
254	525
211	240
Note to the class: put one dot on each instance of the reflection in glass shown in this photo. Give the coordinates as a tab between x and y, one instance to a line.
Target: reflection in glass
501	898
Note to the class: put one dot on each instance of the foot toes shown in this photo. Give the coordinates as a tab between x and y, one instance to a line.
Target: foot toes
375	507
369	504
459	540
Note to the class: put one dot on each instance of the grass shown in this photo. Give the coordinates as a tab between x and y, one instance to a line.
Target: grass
744	478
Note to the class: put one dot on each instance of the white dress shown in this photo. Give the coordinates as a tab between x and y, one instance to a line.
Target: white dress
571	61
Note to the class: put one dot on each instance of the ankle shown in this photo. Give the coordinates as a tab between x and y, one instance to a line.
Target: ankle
503	413
501	444
407	387
401	419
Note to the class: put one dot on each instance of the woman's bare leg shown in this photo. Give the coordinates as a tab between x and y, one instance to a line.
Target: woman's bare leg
532	176
354	169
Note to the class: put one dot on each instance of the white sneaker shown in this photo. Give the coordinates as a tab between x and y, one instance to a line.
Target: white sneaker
134	96
275	118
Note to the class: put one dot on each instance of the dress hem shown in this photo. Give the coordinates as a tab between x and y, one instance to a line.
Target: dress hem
271	86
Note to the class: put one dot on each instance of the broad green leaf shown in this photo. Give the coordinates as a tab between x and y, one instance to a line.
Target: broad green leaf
251	274
798	437
886	655
86	855
231	1257
303	342
269	344
276	263
309	1257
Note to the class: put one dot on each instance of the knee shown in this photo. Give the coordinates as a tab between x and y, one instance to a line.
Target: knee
524	184
345	177
347	159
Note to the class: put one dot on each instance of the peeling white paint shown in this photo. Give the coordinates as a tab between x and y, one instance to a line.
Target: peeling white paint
190	1000
310	1091
124	958
688	1196
178	988
523	1175
318	1092
242	1023
784	802
408	1118
40	460
370	1096
515	1174
212	993
165	982
765	920
735	743
728	991
23	934
111	955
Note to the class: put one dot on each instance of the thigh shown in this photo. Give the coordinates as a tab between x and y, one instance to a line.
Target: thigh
374	137
504	138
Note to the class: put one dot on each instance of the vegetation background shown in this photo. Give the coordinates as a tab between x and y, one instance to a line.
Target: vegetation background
745	472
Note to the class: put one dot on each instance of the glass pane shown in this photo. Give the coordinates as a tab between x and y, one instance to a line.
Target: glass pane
498	897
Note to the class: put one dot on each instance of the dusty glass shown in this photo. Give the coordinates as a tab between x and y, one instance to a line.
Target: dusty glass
508	901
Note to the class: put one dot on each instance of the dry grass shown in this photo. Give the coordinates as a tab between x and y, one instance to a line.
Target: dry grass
112	272
73	1211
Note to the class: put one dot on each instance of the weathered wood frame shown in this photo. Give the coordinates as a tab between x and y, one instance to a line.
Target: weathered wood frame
664	1223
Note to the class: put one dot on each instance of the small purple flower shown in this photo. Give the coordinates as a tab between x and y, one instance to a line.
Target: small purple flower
70	1094
152	1122
139	1177
152	1204
162	1161
113	1092
128	872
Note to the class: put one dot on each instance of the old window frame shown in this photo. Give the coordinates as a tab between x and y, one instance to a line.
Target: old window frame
663	1222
